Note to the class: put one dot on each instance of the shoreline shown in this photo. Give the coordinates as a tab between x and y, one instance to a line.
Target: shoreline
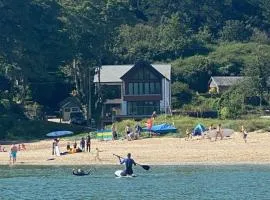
153	151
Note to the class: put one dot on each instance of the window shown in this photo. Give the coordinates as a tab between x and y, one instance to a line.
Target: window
67	109
136	88
130	88
158	91
152	88
142	107
146	88
141	88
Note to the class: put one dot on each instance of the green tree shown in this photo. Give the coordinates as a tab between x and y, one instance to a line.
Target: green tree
259	71
234	30
181	94
194	71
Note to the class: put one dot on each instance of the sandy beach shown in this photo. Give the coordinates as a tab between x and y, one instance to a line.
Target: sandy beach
154	151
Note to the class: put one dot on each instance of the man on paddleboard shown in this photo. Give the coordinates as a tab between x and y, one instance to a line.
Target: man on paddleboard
129	162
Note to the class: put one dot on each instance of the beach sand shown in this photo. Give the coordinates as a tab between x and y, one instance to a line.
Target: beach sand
154	151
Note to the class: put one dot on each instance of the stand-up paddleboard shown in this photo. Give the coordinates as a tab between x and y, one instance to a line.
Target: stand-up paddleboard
226	132
59	133
119	175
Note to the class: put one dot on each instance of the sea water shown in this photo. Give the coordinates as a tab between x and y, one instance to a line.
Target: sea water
160	182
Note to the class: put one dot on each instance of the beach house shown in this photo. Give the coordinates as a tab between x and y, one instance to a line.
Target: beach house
134	91
218	84
68	106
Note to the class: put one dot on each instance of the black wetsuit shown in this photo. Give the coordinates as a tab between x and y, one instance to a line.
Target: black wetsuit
81	173
128	162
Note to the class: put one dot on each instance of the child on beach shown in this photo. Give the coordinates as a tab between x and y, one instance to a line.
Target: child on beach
245	135
188	135
219	132
13	153
97	154
244	131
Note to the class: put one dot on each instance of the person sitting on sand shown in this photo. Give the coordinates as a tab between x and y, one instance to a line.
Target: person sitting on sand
138	130
219	132
75	145
211	127
129	133
23	147
68	147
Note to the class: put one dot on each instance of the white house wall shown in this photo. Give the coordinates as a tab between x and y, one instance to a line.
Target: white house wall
124	103
165	103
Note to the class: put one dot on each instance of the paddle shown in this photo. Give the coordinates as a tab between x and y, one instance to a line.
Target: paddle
146	167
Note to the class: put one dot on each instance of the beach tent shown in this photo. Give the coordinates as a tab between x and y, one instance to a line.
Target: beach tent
198	130
162	128
104	134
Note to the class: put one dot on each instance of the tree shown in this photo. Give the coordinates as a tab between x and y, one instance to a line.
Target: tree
259	71
181	94
195	71
234	30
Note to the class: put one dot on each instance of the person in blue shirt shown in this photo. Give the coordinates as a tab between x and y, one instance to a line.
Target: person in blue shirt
129	162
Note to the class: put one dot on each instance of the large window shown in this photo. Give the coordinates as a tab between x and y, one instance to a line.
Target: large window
142	88
143	82
142	107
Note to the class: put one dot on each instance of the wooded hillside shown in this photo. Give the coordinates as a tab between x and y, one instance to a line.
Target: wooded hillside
50	48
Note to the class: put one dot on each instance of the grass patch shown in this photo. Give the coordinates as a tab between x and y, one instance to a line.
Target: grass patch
183	122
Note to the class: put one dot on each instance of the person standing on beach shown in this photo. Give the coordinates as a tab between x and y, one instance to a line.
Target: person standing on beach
154	115
219	132
53	146
114	134
57	151
82	144
13	153
244	132
88	143
149	125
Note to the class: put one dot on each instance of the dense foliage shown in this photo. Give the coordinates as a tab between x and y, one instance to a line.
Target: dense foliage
50	47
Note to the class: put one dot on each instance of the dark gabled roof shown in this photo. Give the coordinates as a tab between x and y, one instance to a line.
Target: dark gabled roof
113	73
70	100
225	80
140	64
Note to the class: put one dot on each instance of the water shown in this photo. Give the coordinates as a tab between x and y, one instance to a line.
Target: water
160	182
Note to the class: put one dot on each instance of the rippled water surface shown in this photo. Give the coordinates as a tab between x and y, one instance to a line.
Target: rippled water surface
160	182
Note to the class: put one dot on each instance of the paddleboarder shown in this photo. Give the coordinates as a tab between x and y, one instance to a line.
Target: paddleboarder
129	162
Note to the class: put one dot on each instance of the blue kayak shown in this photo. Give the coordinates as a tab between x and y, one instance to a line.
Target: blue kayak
162	128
